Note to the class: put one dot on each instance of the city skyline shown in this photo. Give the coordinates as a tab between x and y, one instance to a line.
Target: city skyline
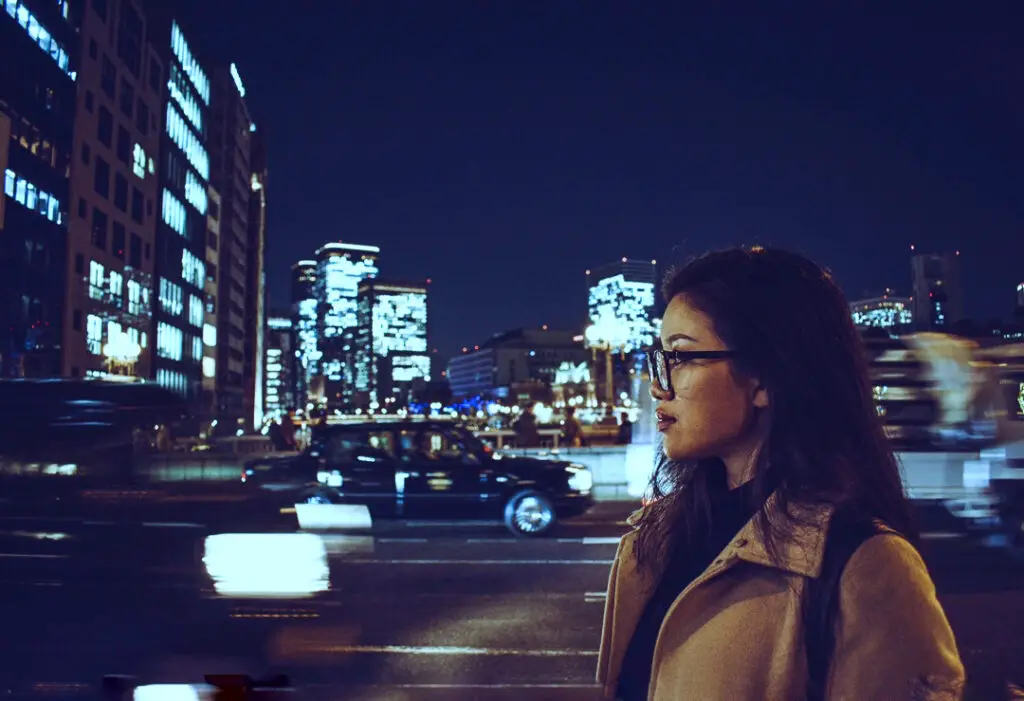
570	138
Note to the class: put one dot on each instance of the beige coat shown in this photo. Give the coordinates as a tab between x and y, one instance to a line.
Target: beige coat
735	633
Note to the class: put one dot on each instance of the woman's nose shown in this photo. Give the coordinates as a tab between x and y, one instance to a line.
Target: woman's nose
658	394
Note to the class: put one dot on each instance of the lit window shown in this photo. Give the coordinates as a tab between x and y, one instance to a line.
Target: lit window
9	178
169	340
195	311
116	283
209	366
193	270
94	334
171	298
173	212
209	334
39	35
97	279
25	193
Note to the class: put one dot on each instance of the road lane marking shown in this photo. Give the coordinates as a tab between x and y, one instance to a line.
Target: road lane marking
466	687
452	650
602	541
402	540
393	561
38	556
942	535
595	597
172	524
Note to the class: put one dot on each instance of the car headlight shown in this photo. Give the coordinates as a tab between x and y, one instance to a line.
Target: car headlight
580	478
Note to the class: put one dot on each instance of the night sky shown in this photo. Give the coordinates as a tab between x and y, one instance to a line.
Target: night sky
501	147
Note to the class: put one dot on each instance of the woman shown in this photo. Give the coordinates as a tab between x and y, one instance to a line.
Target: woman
769	433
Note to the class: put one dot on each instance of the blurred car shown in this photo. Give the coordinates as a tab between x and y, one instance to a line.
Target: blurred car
423	469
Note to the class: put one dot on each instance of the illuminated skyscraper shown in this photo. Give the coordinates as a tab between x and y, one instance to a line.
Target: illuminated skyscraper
621	303
39	56
279	389
886	312
114	187
304	320
938	293
390	348
180	252
340	267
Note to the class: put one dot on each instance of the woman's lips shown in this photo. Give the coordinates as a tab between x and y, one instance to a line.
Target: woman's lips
664	420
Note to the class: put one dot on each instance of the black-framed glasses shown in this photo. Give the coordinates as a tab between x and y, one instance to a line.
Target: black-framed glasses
662	361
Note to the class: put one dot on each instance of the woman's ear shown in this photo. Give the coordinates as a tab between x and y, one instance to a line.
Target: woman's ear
760	398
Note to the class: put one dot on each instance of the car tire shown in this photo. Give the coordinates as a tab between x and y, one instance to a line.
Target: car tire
530	514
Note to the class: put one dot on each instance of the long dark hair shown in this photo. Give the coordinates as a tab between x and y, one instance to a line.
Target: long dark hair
791	328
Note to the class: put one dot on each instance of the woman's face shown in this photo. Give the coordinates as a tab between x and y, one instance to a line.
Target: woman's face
712	411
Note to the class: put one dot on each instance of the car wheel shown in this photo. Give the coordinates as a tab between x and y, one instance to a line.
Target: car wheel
529	514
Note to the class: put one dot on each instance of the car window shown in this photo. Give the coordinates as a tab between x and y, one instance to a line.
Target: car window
433	444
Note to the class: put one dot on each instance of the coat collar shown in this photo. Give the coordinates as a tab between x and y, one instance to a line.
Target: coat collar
800	552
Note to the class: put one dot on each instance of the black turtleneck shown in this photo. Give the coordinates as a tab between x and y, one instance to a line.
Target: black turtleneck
730	511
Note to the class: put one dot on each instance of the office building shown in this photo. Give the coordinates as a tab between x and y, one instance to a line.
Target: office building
39	60
340	268
621	300
113	191
256	279
231	174
184	174
509	361
279	388
885	312
210	288
390	352
304	320
938	299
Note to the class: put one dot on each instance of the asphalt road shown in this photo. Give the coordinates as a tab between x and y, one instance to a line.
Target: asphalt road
421	611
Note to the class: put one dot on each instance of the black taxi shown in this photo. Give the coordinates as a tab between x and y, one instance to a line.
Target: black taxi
425	469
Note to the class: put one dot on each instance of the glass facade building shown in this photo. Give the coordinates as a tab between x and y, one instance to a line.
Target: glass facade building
340	268
304	319
621	301
279	387
179	314
38	64
885	312
390	349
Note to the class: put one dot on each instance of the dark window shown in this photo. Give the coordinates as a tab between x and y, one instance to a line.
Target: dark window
101	182
79	264
99	229
137	201
120	192
134	251
154	75
100	6
127	97
82	209
85	154
142	117
108	77
211	239
76	320
129	39
149	251
105	127
117	240
88	100
93	50
124	146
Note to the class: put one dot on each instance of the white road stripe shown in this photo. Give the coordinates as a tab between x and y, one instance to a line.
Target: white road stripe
493	540
467	686
171	524
402	540
366	561
452	650
942	535
602	541
35	556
